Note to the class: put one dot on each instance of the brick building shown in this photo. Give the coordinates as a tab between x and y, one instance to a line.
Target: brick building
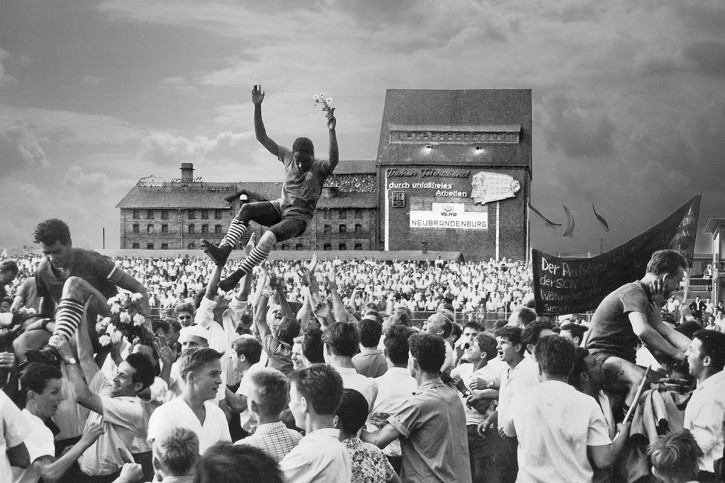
452	174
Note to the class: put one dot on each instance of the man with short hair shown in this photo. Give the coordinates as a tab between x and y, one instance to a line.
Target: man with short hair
62	263
341	343
431	424
184	314
559	429
439	324
531	333
370	362
267	399
190	338
8	271
573	333
632	313
290	215
42	386
705	412
470	332
175	455
674	458
194	409
521	317
315	394
115	405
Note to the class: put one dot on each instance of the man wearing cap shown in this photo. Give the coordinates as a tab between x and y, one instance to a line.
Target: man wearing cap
288	216
191	337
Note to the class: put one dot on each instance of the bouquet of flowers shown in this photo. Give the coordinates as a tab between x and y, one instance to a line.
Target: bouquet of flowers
325	101
126	320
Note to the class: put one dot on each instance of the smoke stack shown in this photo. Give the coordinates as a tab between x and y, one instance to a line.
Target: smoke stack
187	172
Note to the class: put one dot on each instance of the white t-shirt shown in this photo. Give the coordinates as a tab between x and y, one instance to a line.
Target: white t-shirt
555	423
395	387
367	386
319	456
39	443
177	414
13	431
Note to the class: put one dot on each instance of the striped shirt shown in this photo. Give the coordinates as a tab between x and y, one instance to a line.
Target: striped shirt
275	439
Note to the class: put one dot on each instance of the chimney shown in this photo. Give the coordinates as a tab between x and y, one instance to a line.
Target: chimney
187	172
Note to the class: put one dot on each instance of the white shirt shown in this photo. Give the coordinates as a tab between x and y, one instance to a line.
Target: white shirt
122	420
12	433
704	416
318	457
367	386
177	414
39	443
395	387
525	374
555	424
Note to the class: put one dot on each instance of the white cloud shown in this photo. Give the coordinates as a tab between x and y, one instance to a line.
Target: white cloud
19	148
166	148
5	78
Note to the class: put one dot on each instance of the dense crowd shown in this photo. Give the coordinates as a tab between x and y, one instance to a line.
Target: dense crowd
314	370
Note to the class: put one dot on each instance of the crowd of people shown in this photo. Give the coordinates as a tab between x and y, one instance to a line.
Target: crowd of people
315	370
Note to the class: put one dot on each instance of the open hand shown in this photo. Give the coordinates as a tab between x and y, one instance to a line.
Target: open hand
257	95
91	434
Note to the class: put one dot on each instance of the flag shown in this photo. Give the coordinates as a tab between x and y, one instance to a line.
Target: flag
569	230
599	217
547	222
576	285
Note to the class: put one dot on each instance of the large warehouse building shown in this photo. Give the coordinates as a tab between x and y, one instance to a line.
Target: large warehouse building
453	173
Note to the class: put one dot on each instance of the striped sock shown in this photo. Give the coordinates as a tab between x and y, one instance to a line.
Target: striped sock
67	317
256	257
235	233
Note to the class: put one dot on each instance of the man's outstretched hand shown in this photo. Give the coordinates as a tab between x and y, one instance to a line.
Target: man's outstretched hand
331	121
258	95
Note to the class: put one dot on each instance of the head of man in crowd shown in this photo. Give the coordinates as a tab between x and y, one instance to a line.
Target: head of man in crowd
470	332
193	337
555	357
248	350
508	344
352	413
586	376
201	370
168	329
669	267
43	388
134	374
313	349
298	361
574	333
268	394
674	457
370	332
55	242
438	324
397	349
237	463
184	314
483	347
315	394
175	455
534	331
427	355
706	354
8	271
342	339
521	317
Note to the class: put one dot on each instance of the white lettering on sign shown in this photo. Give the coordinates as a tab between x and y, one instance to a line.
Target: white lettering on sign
449	215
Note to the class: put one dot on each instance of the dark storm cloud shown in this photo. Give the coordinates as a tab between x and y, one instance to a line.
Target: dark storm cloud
707	57
576	131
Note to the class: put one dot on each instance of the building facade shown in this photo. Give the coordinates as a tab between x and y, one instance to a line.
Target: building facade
453	173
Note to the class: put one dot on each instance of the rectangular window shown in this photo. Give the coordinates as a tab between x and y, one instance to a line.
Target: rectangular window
218	214
164	228
136	228
149	214
149	228
342	229
343	246
358	213
205	228
204	214
192	214
164	246
135	214
327	229
149	246
327	246
164	214
191	228
343	214
218	229
358	228
358	246
135	246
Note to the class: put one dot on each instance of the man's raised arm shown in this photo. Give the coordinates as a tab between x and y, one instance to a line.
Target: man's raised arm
259	130
125	281
334	151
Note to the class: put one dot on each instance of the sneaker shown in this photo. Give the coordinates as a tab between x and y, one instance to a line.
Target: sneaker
218	254
47	355
232	280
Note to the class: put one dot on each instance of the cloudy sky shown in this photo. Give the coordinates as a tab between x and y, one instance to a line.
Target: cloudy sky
628	97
